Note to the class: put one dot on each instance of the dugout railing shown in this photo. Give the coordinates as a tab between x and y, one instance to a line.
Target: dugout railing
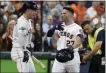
39	55
49	56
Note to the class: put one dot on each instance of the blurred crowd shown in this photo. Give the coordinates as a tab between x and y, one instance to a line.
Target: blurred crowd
49	15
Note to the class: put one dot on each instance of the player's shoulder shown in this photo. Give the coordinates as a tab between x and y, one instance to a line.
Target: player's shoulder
21	21
77	26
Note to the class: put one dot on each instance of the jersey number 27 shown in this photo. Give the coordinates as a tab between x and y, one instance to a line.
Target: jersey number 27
68	43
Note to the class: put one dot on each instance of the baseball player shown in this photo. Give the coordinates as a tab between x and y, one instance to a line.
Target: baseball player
70	37
22	34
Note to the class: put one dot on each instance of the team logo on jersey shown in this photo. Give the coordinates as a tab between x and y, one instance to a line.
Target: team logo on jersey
63	33
22	28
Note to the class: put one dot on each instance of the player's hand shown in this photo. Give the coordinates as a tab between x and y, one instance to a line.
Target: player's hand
51	31
59	27
26	56
84	58
82	62
30	49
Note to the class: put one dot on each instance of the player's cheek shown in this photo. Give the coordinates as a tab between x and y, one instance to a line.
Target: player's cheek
62	17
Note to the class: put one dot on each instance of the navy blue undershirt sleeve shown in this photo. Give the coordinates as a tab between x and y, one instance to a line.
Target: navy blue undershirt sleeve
101	35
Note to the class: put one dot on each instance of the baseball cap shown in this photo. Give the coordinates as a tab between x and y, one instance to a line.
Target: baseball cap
69	9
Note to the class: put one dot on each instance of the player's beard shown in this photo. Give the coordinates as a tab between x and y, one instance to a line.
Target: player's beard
32	16
63	19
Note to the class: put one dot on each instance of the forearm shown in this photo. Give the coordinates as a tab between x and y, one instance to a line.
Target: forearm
54	41
76	45
93	52
78	42
50	32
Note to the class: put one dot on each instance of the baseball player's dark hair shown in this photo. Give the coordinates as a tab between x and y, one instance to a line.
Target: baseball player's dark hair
85	23
69	9
23	9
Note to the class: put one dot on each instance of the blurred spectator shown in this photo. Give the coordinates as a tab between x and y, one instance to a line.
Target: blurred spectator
37	37
72	2
80	11
46	11
88	4
2	29
1	33
56	17
1	16
17	5
101	14
9	9
49	5
59	7
103	20
98	20
13	17
91	12
37	18
7	36
46	26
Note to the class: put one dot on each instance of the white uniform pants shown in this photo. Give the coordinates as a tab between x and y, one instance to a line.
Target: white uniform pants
72	66
23	67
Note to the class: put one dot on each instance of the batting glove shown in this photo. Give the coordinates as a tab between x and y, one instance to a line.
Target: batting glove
26	56
51	31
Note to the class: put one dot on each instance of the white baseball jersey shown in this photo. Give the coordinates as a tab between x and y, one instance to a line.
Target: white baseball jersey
22	33
68	35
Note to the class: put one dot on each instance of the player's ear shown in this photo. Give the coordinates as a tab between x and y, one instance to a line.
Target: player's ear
71	15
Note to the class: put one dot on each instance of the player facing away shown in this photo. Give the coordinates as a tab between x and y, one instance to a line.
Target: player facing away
70	37
22	34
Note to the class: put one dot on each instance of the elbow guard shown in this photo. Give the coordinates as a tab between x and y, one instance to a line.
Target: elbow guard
56	27
50	32
81	37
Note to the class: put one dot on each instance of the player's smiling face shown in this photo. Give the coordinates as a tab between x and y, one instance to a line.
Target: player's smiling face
32	13
65	15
